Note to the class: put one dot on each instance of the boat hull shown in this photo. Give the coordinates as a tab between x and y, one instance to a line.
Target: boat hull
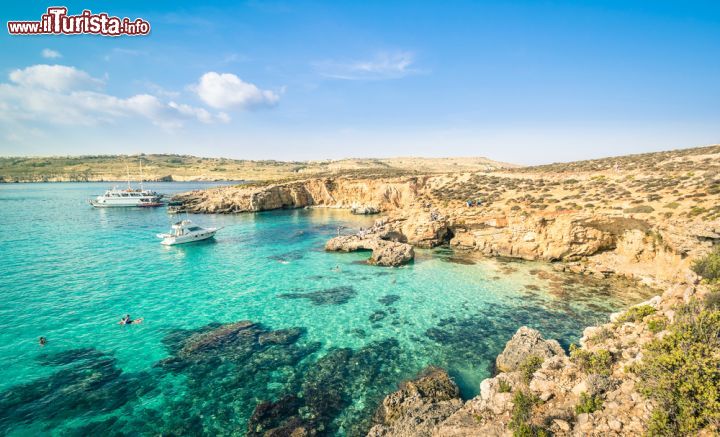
97	204
182	239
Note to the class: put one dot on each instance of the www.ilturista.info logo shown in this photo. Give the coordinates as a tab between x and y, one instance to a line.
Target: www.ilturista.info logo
58	22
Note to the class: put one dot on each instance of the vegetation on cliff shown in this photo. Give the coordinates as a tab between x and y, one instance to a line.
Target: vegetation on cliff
709	267
680	371
185	167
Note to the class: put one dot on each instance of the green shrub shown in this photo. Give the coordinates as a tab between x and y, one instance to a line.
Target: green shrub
599	362
602	335
709	267
644	209
712	300
588	403
504	386
696	211
530	430
681	373
530	366
523	404
636	314
657	324
672	205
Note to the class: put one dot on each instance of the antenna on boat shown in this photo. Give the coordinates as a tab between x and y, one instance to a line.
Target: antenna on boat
141	175
127	167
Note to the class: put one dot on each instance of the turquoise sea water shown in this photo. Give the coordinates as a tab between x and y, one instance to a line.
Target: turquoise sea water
70	272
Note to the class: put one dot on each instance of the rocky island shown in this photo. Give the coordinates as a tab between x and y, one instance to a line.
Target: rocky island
653	217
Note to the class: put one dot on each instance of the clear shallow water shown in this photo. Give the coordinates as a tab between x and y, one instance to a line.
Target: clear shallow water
69	272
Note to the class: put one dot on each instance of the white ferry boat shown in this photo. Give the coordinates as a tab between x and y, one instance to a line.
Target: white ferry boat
127	198
186	231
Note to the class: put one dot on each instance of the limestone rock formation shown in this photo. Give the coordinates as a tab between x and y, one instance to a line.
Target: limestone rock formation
418	407
384	253
364	209
327	192
391	254
525	343
425	230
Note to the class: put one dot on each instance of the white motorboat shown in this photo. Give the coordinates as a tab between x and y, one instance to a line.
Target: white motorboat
186	231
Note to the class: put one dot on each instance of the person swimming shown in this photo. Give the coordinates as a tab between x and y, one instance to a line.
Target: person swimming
43	341
128	321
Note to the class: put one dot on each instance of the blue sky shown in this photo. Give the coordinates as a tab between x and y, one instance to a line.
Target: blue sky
525	82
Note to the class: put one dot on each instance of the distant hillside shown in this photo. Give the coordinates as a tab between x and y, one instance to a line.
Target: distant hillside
183	167
671	160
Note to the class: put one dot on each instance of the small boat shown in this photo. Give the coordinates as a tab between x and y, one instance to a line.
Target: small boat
186	231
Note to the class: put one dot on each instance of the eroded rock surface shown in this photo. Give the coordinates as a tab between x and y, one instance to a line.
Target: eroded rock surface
418	406
526	343
601	368
384	253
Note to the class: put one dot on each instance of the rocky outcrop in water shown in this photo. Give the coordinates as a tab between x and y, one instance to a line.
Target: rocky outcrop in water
553	392
384	253
418	406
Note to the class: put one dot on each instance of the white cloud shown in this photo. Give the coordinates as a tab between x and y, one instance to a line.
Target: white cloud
226	90
382	66
50	54
200	113
59	95
160	91
54	78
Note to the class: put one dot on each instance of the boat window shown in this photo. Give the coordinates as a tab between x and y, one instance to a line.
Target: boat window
194	228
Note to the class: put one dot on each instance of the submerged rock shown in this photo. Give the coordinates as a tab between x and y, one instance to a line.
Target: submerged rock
320	402
328	296
281	336
525	343
216	338
418	406
389	299
89	383
377	316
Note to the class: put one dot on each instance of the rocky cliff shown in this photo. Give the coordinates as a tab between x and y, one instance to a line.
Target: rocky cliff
327	192
598	241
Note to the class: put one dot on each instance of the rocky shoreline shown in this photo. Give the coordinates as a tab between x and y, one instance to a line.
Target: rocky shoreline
554	384
599	243
591	392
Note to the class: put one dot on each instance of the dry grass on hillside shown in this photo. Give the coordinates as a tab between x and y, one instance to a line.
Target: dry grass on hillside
665	185
181	167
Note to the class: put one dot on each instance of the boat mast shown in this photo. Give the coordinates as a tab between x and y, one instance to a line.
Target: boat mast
141	176
127	167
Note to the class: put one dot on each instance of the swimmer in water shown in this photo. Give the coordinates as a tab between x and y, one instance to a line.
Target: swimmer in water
43	341
128	321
